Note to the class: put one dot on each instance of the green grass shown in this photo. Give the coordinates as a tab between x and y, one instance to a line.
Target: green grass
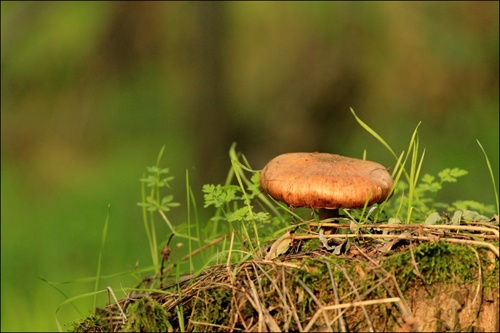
492	175
418	193
243	219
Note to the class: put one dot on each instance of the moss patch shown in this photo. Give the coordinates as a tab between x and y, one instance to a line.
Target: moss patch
433	263
146	315
92	323
358	291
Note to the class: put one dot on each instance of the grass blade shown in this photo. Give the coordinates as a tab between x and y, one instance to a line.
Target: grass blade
491	174
372	132
99	261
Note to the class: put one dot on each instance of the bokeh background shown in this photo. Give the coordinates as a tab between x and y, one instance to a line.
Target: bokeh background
90	92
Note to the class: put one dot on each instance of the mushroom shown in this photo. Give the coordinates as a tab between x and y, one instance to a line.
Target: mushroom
325	181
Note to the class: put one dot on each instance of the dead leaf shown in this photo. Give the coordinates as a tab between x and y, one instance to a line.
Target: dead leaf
324	240
385	247
433	219
469	215
280	246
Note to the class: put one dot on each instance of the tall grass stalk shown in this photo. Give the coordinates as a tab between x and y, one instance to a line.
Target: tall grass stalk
53	285
191	205
396	175
148	217
179	308
415	164
99	261
492	175
71	301
237	166
372	132
155	202
415	167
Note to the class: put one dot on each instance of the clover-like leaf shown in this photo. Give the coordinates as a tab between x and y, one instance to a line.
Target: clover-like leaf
473	205
219	195
451	175
150	204
166	203
254	187
238	215
149	180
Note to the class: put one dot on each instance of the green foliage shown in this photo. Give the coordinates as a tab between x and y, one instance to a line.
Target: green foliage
93	323
147	315
492	175
251	218
219	195
211	306
426	193
57	113
428	188
419	194
236	208
471	204
415	159
242	208
156	179
99	261
429	183
152	202
433	264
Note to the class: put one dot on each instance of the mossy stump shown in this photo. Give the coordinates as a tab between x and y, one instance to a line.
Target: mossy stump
431	286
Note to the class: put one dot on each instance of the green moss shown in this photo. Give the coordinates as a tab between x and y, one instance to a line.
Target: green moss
147	315
436	262
211	306
219	300
92	323
311	245
490	267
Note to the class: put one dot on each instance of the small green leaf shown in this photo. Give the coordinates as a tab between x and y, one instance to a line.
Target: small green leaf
152	169
254	187
428	179
238	215
167	199
149	180
473	205
164	182
164	170
262	217
430	187
219	195
451	175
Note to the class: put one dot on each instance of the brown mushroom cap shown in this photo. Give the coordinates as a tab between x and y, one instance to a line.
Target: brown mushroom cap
320	180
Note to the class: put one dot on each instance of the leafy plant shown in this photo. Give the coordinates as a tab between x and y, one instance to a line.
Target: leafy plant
244	218
413	193
243	208
429	186
157	179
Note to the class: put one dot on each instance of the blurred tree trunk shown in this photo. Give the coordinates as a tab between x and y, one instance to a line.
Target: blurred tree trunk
210	119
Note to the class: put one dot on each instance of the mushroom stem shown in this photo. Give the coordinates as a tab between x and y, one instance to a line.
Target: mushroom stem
324	213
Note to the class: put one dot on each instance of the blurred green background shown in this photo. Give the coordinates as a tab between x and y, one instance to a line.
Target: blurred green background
90	92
